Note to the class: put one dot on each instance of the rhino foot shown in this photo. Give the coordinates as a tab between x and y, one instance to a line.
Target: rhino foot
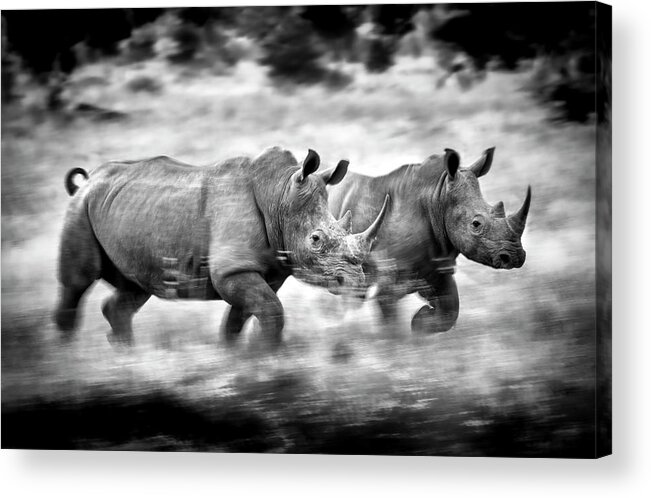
67	311
265	341
66	319
120	341
118	310
429	320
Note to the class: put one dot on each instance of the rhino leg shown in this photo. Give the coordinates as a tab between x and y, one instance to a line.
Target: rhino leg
442	310
250	293
388	304
234	322
80	264
119	309
66	314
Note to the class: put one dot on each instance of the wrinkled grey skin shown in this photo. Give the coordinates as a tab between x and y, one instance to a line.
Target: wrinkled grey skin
437	213
253	221
336	255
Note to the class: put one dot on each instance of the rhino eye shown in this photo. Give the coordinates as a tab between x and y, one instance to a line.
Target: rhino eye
476	224
317	240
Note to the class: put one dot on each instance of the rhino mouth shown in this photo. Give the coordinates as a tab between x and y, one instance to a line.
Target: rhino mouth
346	284
508	260
341	282
349	291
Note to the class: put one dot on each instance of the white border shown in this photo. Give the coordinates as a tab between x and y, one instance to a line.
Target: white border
627	473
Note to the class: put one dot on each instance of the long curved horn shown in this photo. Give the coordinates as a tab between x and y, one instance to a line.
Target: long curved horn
369	235
519	219
361	243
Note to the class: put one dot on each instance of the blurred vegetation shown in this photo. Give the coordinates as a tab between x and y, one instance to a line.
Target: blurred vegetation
301	44
290	48
558	37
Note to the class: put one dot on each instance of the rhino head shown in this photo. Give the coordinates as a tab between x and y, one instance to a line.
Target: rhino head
481	232
323	250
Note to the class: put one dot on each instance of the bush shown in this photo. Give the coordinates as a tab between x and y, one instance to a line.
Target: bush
10	66
411	45
140	46
504	36
236	48
187	43
379	54
291	51
223	46
144	84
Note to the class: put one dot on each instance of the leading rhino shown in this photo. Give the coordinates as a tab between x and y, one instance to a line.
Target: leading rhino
437	213
233	231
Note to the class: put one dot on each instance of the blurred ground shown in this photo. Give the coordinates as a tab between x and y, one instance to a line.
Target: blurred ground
515	377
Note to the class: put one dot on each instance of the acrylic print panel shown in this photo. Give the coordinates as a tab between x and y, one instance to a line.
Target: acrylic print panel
246	309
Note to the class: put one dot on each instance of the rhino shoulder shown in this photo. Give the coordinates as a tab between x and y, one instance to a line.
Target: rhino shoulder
275	153
433	160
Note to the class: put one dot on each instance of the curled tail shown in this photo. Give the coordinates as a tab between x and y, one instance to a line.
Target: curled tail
72	187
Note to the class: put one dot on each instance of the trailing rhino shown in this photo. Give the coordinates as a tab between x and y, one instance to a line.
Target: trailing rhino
437	213
232	231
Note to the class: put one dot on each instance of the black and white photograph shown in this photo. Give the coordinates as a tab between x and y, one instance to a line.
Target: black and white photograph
308	229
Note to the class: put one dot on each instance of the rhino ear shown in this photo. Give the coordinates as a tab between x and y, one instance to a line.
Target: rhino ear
310	165
451	162
334	175
483	165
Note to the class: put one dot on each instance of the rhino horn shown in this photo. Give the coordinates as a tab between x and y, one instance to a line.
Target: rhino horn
518	220
369	235
498	210
346	221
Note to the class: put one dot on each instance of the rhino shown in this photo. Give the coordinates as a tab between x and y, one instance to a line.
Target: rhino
437	213
233	231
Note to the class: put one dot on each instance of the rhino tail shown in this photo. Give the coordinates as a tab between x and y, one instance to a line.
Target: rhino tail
71	186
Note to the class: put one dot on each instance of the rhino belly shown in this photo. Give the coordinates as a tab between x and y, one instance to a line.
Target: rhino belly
161	248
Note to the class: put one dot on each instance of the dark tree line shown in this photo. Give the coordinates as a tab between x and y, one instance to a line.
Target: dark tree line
44	39
294	41
560	35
